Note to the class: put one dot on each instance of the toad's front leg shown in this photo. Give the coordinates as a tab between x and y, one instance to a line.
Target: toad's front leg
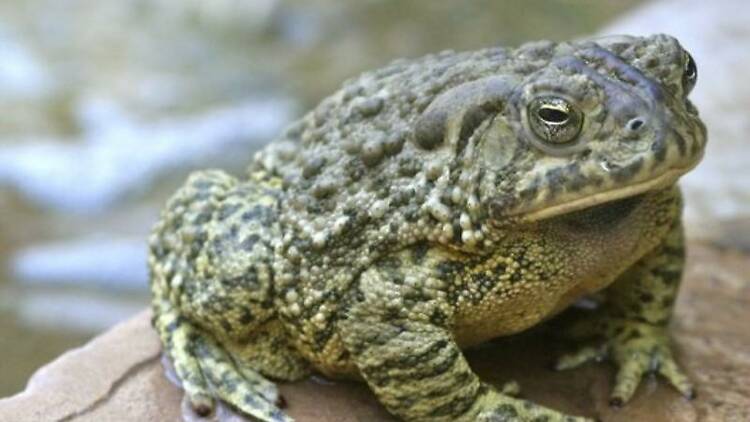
634	321
396	331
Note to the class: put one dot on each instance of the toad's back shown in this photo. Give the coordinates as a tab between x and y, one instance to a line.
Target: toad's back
363	173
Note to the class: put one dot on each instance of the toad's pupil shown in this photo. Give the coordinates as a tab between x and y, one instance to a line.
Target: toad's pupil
553	115
690	69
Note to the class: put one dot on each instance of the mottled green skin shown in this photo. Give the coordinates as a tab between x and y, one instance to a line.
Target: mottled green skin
414	213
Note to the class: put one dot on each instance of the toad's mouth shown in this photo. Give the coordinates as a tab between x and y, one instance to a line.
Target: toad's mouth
608	202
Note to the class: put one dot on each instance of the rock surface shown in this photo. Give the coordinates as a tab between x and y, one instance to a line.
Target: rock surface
118	376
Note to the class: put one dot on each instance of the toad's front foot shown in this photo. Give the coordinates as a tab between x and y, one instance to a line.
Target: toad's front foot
637	348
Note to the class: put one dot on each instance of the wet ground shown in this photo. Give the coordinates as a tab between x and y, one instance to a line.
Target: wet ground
107	105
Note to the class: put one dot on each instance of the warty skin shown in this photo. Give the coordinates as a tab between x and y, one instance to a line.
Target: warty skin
432	205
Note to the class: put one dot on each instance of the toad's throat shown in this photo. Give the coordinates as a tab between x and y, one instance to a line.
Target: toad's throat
608	214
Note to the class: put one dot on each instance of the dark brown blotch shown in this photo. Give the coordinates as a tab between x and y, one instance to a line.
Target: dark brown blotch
394	143
313	166
429	131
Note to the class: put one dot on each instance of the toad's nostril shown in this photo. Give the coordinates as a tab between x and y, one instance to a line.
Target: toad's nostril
635	124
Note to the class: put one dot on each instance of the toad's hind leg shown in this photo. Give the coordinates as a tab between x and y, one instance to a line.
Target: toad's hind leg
213	296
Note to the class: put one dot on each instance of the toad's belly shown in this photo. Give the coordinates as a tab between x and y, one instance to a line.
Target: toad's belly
528	307
520	309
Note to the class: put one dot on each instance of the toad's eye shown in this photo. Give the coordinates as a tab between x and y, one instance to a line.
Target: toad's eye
689	74
554	120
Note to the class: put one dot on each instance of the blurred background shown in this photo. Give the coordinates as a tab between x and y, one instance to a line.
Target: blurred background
105	106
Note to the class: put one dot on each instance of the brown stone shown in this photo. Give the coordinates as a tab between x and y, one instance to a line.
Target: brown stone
118	375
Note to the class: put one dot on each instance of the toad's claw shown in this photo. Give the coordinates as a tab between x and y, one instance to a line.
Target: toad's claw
669	369
637	349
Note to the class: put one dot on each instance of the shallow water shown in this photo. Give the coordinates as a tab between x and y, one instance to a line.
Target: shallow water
108	105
